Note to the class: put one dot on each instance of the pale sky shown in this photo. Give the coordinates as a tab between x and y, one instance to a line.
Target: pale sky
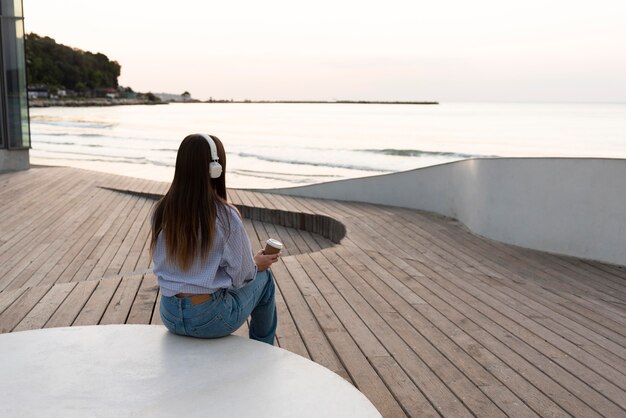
445	50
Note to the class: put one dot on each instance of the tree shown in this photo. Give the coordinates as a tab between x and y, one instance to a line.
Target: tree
55	65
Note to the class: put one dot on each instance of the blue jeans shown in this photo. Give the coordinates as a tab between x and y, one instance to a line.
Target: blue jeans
226	311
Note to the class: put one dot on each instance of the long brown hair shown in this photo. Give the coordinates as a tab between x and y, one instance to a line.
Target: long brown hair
187	213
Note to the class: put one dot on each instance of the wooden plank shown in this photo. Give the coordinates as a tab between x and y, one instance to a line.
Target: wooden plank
365	377
55	199
14	314
142	239
419	359
524	282
47	244
515	261
233	196
537	292
118	309
375	346
129	238
156	316
19	209
114	240
312	242
314	339
144	259
287	334
290	247
575	330
541	290
618	273
8	297
505	399
102	239
48	269
45	308
12	182
504	341
604	378
413	402
71	307
98	302
244	198
267	230
499	329
584	271
17	258
252	234
134	252
262	200
143	305
297	239
465	333
487	272
567	271
67	268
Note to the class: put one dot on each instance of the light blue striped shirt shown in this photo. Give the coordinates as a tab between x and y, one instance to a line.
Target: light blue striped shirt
230	263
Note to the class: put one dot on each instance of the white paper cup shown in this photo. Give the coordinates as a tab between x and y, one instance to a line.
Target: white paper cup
272	246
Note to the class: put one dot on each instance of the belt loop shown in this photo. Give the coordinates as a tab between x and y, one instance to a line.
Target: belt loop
181	308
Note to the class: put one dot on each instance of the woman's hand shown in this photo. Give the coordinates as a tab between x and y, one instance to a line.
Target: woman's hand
263	262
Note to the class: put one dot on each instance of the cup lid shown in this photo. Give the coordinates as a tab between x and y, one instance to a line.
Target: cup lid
274	243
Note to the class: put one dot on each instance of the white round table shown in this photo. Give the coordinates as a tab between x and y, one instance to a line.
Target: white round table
145	371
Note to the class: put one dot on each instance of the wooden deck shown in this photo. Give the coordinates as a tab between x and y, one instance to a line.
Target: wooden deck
425	318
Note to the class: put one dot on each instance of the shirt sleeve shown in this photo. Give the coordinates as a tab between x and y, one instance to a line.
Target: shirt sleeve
237	260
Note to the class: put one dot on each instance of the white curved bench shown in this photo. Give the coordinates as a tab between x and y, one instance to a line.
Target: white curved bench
143	370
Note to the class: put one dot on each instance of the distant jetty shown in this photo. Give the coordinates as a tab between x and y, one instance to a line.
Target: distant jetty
325	102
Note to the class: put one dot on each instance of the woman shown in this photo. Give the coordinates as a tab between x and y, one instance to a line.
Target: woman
210	282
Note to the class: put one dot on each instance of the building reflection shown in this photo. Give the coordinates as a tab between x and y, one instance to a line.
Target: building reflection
15	129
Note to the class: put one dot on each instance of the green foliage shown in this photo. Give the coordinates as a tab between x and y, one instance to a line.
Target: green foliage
55	65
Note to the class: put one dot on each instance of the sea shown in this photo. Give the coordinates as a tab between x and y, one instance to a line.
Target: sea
272	145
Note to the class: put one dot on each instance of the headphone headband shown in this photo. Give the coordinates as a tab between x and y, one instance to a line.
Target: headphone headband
209	140
215	168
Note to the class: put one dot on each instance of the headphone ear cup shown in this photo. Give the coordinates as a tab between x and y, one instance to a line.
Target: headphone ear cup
215	170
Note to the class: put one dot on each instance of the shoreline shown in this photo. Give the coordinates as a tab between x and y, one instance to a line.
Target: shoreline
94	102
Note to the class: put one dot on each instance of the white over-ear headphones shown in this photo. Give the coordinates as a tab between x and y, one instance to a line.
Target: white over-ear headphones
215	168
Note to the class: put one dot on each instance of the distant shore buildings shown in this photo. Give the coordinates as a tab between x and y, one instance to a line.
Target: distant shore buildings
176	98
14	129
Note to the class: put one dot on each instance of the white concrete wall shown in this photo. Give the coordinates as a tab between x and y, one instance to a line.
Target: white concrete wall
568	206
14	160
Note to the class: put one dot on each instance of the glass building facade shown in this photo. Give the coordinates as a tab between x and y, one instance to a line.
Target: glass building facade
14	129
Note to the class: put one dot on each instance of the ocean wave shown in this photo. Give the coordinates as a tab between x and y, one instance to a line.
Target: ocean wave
255	172
39	141
419	153
88	135
268	176
154	144
74	124
311	163
84	156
